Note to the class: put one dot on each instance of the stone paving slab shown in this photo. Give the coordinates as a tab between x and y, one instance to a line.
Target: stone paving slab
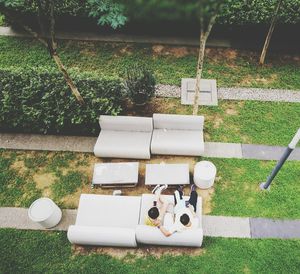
213	226
229	227
263	152
11	217
268	228
222	150
47	142
86	144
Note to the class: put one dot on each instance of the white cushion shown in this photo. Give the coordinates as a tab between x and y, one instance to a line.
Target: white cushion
103	236
123	144
177	142
152	235
108	211
126	123
180	122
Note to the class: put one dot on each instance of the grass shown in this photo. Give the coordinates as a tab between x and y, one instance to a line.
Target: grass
50	252
237	190
235	193
2	20
170	64
249	122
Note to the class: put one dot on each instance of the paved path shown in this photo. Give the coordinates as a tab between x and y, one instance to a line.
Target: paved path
124	38
213	226
253	94
86	144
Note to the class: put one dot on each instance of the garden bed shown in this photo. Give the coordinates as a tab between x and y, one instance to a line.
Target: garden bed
25	176
231	68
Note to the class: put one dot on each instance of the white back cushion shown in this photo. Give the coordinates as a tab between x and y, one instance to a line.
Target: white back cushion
126	123
180	122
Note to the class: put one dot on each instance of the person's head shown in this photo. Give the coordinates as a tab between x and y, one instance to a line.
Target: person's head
185	219
153	213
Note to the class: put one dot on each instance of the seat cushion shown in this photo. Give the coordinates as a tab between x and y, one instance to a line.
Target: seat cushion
177	142
123	144
108	211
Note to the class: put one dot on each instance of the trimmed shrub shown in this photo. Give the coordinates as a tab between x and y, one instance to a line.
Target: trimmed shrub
39	101
140	84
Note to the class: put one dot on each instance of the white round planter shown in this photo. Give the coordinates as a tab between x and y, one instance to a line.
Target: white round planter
204	174
45	212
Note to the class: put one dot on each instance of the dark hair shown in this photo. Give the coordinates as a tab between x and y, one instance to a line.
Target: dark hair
184	219
153	212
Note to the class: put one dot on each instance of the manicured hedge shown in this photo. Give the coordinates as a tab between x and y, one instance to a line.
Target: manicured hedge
39	101
237	12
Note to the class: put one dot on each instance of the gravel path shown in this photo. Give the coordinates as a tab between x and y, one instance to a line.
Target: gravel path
258	94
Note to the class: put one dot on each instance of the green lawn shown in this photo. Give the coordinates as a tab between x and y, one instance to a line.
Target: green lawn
237	190
50	252
249	122
229	67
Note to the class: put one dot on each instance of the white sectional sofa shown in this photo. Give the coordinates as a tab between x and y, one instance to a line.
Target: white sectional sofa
177	135
124	137
107	220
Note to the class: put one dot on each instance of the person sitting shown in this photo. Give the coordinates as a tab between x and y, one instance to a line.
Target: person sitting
156	213
184	212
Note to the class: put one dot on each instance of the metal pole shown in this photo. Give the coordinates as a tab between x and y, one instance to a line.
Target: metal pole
284	157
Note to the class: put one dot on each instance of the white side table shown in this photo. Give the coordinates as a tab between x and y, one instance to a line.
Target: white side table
204	174
45	212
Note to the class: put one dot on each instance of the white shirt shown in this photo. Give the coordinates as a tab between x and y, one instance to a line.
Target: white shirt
179	210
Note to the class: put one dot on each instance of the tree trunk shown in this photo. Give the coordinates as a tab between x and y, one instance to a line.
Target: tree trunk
68	79
199	72
269	35
203	38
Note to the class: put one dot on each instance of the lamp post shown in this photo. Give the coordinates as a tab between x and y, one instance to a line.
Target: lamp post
286	154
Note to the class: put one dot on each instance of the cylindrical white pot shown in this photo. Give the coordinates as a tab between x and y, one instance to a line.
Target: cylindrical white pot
204	174
45	212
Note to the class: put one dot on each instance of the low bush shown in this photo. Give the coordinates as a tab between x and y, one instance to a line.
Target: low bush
39	101
140	84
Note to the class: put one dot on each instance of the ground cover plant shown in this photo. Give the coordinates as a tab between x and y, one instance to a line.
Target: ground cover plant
230	67
50	252
63	176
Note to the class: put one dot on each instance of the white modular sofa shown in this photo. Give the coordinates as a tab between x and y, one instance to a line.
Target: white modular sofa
124	137
177	135
107	220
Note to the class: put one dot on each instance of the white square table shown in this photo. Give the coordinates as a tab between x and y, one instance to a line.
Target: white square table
171	174
116	174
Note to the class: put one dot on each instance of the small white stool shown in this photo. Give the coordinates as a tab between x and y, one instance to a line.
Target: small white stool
45	212
204	174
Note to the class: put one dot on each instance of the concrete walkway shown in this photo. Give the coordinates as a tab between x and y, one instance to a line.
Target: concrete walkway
121	38
86	144
253	94
213	226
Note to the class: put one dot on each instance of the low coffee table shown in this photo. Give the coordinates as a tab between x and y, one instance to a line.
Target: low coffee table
171	174
116	174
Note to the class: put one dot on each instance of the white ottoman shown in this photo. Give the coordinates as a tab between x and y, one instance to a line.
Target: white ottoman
204	174
45	212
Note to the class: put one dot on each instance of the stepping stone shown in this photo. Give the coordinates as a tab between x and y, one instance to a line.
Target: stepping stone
208	92
229	227
268	228
263	152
